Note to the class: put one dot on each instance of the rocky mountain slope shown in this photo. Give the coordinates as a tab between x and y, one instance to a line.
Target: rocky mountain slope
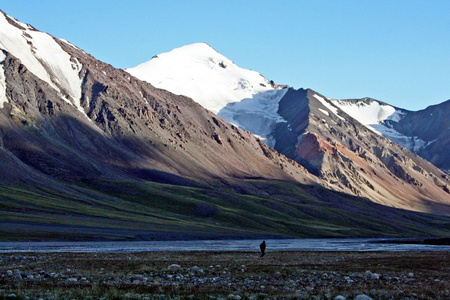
88	151
64	110
425	132
431	125
348	155
330	138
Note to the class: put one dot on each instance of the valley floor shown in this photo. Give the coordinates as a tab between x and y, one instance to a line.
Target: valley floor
225	275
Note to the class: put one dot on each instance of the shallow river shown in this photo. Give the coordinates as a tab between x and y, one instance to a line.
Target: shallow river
219	245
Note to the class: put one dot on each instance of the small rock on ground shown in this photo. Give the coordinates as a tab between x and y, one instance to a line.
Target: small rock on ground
174	267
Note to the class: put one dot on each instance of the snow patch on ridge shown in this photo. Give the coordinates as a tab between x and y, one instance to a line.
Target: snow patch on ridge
3	98
324	112
374	115
368	113
412	143
43	57
70	44
328	105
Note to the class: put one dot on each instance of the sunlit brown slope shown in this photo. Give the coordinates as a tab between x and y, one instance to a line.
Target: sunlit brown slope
354	159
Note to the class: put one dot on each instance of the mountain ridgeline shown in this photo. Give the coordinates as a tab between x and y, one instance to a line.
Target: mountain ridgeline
88	151
342	142
352	157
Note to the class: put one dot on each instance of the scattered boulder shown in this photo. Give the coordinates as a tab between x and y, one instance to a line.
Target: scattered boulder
197	270
362	297
18	277
139	278
349	280
174	267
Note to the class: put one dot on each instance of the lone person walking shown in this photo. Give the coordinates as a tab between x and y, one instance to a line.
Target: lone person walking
262	247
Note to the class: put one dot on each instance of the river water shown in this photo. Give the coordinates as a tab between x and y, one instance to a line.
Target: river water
220	245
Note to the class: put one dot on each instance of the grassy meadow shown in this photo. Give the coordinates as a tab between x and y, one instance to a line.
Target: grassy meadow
113	210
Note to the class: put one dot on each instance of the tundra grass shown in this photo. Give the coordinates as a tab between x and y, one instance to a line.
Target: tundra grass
253	208
279	207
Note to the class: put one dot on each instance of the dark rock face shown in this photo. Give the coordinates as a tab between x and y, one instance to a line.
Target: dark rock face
431	125
427	124
294	107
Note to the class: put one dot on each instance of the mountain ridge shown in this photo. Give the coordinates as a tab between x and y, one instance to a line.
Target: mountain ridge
316	131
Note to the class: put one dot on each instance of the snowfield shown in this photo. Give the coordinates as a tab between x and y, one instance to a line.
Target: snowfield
369	113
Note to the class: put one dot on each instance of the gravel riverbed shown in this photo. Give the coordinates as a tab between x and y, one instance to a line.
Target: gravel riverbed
226	275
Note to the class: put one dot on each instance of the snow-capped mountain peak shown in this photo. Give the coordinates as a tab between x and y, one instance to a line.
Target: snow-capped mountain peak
215	82
200	72
43	56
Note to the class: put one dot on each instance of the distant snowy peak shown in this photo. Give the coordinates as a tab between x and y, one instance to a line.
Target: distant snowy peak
242	97
378	117
42	56
369	111
203	74
366	111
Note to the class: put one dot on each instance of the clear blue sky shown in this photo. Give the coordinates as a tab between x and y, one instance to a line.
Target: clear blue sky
397	51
